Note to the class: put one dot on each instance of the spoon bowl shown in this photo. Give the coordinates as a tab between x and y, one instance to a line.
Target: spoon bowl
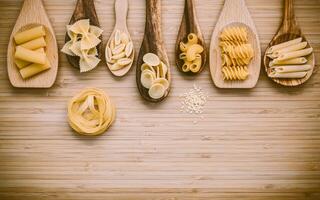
33	14
121	10
289	30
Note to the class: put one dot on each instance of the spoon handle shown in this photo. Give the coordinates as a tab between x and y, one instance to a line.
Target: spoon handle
153	22
121	9
288	11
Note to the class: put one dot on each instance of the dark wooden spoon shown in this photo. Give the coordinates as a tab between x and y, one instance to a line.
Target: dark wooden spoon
152	43
289	30
84	10
189	24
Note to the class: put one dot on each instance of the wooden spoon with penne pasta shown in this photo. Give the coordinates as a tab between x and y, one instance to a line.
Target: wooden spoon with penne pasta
189	38
289	58
32	57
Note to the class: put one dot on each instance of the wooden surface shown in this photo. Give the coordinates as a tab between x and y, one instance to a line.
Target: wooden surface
289	30
257	144
235	13
190	24
33	14
153	42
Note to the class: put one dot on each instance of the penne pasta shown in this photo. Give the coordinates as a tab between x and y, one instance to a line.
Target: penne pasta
29	34
295	54
30	56
291	68
291	48
283	45
294	61
34	69
21	63
35	44
287	75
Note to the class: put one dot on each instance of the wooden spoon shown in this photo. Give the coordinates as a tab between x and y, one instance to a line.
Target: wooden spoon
84	10
33	14
121	10
235	13
189	24
289	30
152	43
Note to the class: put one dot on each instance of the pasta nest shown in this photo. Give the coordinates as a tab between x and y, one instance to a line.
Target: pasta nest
91	112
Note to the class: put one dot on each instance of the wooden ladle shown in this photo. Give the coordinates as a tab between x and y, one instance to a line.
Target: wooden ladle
152	43
121	10
33	14
235	13
289	30
189	24
84	10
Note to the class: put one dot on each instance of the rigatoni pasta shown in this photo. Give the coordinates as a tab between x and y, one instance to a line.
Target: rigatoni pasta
30	56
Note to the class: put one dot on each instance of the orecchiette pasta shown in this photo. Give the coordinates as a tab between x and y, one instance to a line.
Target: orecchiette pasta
191	54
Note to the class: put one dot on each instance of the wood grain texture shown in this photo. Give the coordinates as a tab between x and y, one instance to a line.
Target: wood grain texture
33	14
235	13
84	9
152	43
121	12
289	30
190	24
258	144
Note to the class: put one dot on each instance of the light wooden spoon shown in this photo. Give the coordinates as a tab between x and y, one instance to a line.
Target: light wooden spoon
84	10
152	43
189	24
289	30
33	14
121	10
235	13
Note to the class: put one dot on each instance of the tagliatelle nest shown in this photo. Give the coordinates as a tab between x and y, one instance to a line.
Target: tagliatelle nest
91	112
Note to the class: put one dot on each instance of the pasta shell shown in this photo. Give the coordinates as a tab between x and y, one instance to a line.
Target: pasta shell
129	49
144	66
118	56
108	54
124	61
117	38
124	38
151	59
157	91
163	82
116	67
118	49
147	78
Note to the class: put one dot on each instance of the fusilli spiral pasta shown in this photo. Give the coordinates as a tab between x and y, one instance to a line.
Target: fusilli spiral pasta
234	34
235	73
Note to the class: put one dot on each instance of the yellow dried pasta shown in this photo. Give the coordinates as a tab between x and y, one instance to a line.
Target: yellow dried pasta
234	34
235	73
191	52
91	112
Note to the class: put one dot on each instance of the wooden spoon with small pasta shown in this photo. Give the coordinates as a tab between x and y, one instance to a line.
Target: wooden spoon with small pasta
289	30
152	43
190	24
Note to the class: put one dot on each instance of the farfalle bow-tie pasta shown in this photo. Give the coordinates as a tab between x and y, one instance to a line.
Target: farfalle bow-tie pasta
91	112
84	39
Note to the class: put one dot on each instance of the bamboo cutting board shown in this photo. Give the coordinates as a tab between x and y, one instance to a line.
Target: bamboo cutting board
260	144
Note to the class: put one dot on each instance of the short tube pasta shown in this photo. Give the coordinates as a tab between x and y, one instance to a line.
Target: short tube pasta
35	44
29	34
295	54
30	56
